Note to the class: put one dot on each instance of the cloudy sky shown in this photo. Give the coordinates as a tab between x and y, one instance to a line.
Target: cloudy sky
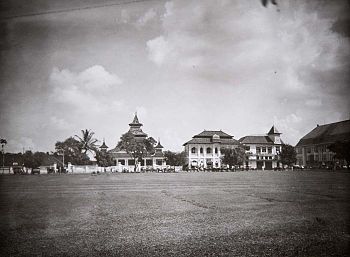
184	66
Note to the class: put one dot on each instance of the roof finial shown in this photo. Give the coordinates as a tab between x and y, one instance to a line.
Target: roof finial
159	144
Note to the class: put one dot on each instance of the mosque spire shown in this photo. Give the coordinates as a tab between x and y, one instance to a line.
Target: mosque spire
135	122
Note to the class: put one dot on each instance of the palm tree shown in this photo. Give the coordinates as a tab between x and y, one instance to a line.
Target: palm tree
3	142
88	143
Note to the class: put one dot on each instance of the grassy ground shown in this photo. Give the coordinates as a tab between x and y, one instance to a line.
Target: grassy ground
300	213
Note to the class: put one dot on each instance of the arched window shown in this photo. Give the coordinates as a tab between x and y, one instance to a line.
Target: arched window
216	150
201	150
193	150
208	150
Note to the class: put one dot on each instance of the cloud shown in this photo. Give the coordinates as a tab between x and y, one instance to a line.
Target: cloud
123	18
261	62
141	111
168	9
22	143
85	99
243	42
159	49
60	123
148	16
313	102
288	126
95	78
87	88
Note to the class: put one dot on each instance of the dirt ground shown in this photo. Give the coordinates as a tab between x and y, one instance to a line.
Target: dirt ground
255	213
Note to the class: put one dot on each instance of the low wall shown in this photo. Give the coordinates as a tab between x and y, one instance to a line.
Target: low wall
5	170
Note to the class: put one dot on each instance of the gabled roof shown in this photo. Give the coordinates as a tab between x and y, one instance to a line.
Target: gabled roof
208	140
211	133
328	133
273	130
256	140
49	160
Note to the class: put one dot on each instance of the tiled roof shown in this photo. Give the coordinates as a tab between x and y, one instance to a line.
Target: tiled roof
123	154
158	145
104	145
273	130
211	133
158	154
205	140
137	132
256	140
120	154
135	121
328	133
49	160
152	140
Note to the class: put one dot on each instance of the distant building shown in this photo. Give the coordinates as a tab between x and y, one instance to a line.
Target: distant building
124	160
263	150
312	149
104	147
204	149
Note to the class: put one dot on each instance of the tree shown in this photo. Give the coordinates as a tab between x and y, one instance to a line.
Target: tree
175	159
103	158
137	148
72	149
288	155
31	160
233	156
341	150
87	141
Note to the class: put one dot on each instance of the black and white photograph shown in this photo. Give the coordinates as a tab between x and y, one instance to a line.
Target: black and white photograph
175	128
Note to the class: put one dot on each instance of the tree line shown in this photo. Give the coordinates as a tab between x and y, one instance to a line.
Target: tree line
76	149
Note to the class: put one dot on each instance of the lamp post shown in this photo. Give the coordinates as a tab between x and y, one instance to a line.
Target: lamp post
3	142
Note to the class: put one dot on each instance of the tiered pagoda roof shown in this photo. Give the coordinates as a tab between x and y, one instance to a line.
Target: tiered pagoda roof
104	146
135	128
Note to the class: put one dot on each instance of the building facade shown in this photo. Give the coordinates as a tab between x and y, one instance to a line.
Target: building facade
125	161
204	149
263	150
312	149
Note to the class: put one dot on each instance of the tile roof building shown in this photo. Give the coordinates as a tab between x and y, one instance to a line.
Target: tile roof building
204	149
312	149
263	150
125	161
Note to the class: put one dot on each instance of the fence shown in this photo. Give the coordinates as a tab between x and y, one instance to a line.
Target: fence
5	170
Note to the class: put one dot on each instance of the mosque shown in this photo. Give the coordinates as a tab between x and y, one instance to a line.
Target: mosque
154	159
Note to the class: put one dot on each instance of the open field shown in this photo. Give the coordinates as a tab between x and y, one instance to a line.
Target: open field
300	213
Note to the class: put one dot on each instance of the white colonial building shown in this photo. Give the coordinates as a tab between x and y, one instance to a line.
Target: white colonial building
263	150
204	149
